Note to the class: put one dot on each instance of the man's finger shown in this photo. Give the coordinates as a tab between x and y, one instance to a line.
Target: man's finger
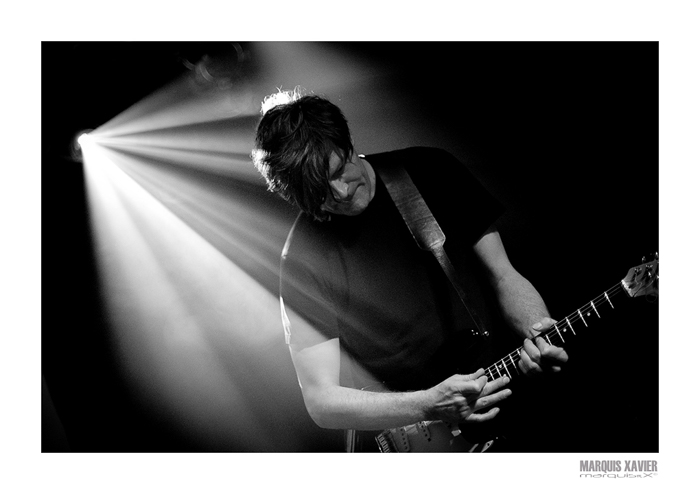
532	351
490	400
477	374
551	352
482	417
541	344
556	353
527	365
472	386
495	385
546	322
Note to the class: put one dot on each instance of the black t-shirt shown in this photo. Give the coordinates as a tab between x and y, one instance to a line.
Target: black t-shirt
364	280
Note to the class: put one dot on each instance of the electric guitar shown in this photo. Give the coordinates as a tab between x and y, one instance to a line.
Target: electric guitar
438	436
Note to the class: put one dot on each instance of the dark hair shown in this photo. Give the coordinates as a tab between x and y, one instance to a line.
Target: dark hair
293	144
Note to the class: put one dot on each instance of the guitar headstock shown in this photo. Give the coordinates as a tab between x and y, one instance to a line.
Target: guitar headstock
643	279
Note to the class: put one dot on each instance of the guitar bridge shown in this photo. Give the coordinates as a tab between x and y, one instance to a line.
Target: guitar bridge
385	443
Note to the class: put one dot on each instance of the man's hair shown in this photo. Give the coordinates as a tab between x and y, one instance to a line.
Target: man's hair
293	144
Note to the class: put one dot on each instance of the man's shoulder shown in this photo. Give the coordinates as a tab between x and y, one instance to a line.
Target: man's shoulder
306	237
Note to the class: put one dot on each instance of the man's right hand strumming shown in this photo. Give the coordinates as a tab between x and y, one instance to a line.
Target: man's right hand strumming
460	397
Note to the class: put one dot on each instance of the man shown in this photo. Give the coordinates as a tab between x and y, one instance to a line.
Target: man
378	336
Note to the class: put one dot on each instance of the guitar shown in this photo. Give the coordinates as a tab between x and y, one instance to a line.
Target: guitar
438	436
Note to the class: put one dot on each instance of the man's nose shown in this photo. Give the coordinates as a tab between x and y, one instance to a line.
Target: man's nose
340	189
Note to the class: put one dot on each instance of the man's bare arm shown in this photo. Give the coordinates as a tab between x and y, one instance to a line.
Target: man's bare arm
521	305
457	399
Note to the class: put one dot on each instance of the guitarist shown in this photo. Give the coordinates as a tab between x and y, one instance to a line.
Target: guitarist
378	336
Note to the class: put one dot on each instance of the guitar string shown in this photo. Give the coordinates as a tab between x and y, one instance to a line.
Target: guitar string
512	359
492	372
552	332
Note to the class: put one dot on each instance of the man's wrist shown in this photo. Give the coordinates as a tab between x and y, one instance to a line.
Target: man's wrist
426	404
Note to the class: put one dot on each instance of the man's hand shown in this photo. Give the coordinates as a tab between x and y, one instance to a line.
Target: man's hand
458	397
538	355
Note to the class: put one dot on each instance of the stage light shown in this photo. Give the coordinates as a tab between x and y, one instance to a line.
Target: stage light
77	146
83	139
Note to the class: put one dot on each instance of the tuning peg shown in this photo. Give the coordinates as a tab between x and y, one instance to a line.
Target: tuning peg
648	272
655	256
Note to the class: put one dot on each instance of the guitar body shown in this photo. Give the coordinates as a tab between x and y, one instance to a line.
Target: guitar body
428	437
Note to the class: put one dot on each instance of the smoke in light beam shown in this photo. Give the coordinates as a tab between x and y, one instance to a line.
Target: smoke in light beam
189	324
182	103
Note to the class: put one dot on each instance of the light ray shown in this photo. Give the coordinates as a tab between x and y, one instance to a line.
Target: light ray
178	104
189	323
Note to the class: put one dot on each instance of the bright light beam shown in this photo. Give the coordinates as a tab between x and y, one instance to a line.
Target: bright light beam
229	214
221	148
190	325
182	103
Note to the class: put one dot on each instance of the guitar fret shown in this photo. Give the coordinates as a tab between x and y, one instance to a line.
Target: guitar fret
505	368
608	298
500	368
513	361
560	336
581	316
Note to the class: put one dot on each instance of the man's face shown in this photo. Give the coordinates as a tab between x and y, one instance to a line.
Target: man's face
352	185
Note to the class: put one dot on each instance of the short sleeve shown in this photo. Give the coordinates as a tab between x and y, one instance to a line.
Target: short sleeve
307	289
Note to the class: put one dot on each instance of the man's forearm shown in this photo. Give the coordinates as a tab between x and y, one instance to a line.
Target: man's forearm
521	304
337	407
460	397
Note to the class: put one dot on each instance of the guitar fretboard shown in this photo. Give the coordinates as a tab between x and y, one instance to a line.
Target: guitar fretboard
560	333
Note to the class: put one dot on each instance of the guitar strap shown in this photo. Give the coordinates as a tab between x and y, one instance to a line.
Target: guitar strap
425	230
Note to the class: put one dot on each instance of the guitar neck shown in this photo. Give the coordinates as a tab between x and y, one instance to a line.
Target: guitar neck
561	332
